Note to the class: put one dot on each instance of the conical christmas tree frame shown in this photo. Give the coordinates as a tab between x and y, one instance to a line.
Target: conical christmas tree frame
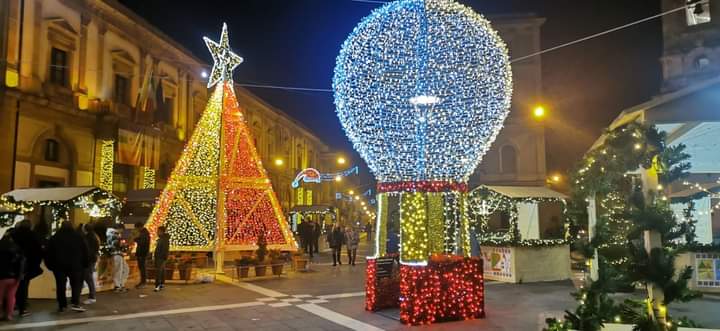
219	197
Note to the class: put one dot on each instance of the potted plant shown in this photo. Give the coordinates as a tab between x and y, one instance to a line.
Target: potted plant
185	268
243	266
261	264
276	262
300	260
170	265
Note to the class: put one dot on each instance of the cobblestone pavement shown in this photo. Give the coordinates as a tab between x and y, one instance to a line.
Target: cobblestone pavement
326	298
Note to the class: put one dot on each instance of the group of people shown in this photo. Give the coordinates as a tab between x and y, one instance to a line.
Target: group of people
337	237
71	254
309	233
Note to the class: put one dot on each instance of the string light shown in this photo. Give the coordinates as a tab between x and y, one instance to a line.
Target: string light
107	159
148	178
208	170
430	50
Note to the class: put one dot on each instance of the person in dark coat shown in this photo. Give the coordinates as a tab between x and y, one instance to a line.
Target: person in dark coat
141	251
336	237
303	229
31	247
92	241
307	237
67	257
316	232
162	250
12	269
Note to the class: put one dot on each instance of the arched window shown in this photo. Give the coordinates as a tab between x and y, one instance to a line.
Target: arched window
52	150
508	160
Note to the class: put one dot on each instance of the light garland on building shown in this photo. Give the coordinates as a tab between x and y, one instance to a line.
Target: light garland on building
412	48
107	160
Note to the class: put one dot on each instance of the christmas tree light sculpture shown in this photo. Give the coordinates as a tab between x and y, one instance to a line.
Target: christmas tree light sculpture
219	197
422	88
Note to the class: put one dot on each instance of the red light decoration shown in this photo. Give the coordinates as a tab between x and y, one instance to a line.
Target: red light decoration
448	288
383	293
422	186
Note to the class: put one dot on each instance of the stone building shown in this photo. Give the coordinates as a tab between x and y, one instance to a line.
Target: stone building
517	157
93	94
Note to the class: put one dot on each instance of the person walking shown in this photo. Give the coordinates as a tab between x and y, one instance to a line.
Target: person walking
12	265
303	230
162	249
67	257
92	241
335	241
142	249
352	239
117	247
30	247
315	235
308	239
368	230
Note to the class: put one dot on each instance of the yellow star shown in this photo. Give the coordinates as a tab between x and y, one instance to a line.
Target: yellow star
225	59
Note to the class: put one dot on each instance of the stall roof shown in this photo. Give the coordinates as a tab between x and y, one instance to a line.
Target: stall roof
696	192
526	192
50	193
313	208
149	194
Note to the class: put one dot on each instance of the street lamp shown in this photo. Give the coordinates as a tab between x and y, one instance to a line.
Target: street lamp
556	178
279	162
341	160
338	178
351	192
539	112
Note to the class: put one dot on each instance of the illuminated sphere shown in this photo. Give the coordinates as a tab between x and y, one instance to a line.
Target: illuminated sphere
422	88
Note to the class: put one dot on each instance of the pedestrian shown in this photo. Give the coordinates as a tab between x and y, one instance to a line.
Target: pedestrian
142	249
117	247
162	250
335	240
67	257
368	230
92	241
316	232
352	239
12	268
31	247
307	239
303	228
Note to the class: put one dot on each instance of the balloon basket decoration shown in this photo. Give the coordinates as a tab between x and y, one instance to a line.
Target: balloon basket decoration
433	279
422	88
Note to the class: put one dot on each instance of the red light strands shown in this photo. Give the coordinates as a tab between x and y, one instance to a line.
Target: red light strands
448	288
422	186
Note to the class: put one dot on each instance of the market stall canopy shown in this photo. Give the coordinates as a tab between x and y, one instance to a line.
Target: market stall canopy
520	192
50	193
312	209
695	192
149	194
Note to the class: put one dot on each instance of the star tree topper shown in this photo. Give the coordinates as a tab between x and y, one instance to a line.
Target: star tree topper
225	59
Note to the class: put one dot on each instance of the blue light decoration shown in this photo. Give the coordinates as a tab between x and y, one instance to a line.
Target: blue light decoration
422	88
312	175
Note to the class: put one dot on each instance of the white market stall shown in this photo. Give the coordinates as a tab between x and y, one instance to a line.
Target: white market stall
521	233
77	204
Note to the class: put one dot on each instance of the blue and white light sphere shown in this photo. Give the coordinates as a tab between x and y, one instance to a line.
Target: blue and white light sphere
422	88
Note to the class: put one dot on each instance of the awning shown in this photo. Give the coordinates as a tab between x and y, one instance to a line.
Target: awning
519	192
693	192
50	193
313	209
142	195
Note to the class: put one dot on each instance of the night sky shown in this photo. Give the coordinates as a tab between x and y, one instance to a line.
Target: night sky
295	42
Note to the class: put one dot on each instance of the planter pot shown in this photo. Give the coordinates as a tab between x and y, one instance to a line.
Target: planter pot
301	264
260	270
185	272
242	271
277	269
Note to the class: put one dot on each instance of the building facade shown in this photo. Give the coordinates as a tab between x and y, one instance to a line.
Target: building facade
517	157
691	43
95	95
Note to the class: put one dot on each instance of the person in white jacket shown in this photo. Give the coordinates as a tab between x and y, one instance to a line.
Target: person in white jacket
117	248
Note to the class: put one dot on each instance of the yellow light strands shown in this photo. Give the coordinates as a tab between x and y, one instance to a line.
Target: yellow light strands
414	229
148	178
436	226
107	160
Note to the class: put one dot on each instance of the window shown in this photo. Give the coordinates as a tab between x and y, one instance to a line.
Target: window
58	67
508	160
52	150
697	12
122	89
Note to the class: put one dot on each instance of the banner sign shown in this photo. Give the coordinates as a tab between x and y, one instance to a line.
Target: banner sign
138	149
707	268
497	263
